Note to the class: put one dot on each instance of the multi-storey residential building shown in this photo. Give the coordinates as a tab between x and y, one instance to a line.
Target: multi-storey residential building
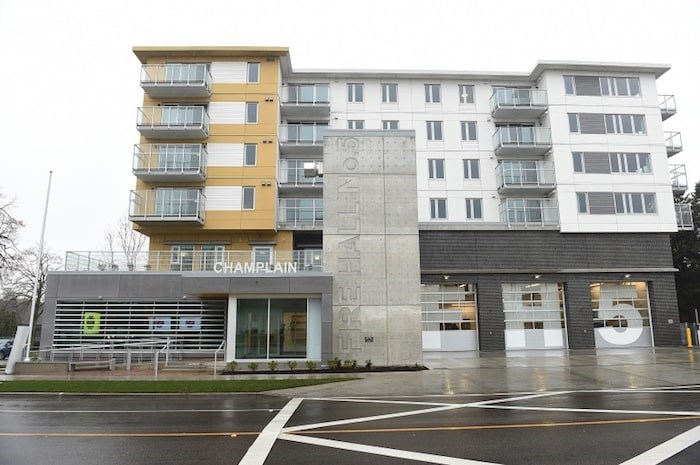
542	202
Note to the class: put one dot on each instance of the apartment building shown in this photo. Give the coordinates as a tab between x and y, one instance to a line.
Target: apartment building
491	211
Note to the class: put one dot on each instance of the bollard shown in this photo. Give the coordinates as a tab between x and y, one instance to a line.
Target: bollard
689	336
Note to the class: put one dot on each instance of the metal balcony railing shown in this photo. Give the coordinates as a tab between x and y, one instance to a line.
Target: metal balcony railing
183	162
167	205
302	134
684	217
679	178
225	261
184	121
511	102
300	213
527	140
292	174
176	79
305	94
667	105
525	175
674	142
525	212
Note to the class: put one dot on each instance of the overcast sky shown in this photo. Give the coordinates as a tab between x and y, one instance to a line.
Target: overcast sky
70	83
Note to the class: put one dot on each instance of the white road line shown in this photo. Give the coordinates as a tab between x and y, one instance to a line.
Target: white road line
193	410
377	401
587	410
372	418
384	451
513	399
667	449
259	450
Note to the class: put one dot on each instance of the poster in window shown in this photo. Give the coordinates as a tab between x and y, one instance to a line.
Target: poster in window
91	322
190	323
160	323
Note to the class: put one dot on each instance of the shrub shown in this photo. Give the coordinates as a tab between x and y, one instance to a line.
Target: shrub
292	364
350	364
272	365
253	366
232	365
368	364
333	363
310	364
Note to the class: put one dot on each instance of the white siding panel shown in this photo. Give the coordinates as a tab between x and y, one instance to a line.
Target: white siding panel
224	154
223	197
229	72
226	112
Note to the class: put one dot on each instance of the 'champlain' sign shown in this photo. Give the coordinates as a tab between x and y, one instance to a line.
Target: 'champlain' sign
257	267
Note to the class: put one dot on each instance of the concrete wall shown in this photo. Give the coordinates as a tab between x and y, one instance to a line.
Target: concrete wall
370	245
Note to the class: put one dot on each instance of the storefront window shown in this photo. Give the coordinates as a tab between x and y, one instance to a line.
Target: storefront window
271	328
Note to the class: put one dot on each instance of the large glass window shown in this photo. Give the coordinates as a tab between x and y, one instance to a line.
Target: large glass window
620	304
271	328
533	305
449	307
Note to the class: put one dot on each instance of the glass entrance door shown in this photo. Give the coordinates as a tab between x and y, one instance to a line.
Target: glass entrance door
271	328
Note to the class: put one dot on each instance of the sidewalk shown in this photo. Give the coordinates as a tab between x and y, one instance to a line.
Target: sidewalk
469	373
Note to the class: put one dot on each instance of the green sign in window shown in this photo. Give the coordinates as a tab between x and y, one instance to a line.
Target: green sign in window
91	322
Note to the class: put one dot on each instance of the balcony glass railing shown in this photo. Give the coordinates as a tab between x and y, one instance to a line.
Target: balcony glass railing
684	216
679	178
674	142
176	75
518	98
540	212
517	136
292	173
224	261
295	213
302	133
667	105
176	117
525	175
167	204
305	94
169	159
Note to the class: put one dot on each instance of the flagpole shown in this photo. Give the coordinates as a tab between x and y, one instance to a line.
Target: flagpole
38	272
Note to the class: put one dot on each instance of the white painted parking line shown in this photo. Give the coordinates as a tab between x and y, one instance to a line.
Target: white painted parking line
371	418
667	449
189	410
513	399
384	451
259	450
379	401
690	413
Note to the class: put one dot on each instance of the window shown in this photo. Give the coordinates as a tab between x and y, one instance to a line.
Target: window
390	93
438	209
432	93
436	168
630	163
262	254
569	85
573	122
273	328
211	254
181	257
625	124
248	198
468	130
251	112
582	201
623	87
471	168
253	73
578	162
474	209
356	124
533	305
356	93
635	203
595	203
250	154
390	124
466	93
434	129
448	307
620	305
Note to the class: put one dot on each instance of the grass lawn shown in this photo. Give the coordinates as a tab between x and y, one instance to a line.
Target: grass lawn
167	386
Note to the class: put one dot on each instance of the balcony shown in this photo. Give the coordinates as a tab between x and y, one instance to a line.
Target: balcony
684	217
305	100
529	212
300	213
170	162
224	261
292	177
518	103
173	122
523	141
167	206
302	138
176	80
679	179
674	143
520	177
667	105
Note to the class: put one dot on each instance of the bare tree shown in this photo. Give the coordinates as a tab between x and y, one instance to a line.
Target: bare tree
122	238
9	227
20	280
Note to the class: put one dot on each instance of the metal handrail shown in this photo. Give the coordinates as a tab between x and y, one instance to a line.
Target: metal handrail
216	354
169	159
98	349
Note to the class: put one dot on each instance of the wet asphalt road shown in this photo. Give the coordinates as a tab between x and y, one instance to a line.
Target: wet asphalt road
540	428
